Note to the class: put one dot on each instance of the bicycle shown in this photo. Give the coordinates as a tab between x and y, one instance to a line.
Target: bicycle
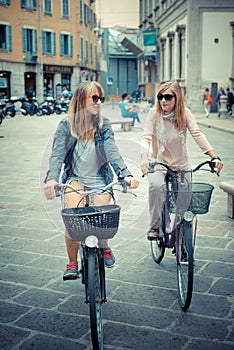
90	225
184	200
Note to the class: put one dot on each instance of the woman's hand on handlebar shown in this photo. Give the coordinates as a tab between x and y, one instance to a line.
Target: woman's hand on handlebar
49	189
132	182
144	165
218	165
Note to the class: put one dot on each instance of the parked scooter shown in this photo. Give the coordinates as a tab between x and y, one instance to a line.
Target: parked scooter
52	106
65	105
30	107
8	107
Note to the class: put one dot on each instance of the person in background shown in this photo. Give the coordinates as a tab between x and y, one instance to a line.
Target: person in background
84	142
230	100
165	133
127	109
205	101
220	93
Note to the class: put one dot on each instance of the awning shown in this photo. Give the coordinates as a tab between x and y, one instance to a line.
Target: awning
131	46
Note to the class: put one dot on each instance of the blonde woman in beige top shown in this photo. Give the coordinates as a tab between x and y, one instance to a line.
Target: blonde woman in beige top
164	140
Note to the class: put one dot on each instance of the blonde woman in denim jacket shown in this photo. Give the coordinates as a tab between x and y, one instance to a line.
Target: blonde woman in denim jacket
164	140
85	143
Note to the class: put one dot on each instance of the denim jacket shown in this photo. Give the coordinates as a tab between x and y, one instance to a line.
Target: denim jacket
107	152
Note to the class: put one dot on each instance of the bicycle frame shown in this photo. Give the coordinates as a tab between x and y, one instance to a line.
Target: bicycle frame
177	231
92	254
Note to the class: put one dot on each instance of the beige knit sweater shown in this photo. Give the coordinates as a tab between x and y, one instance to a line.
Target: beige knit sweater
160	140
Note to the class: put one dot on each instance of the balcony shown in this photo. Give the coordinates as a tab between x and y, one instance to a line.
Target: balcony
31	58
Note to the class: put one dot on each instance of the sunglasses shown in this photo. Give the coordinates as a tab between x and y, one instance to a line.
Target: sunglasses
95	98
167	97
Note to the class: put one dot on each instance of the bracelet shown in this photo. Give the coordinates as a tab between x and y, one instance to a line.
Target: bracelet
212	159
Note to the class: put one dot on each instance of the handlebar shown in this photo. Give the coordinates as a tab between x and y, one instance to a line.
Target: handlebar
174	171
59	187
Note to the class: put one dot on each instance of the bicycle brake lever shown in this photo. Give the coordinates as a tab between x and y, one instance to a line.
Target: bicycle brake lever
57	191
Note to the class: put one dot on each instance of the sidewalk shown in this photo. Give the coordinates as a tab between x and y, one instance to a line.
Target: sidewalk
213	121
111	109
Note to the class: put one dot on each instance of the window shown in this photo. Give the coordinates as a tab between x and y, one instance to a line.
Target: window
48	43
81	10
94	20
29	4
87	51
65	8
90	18
82	51
48	6
86	14
66	45
5	2
5	37
91	53
29	37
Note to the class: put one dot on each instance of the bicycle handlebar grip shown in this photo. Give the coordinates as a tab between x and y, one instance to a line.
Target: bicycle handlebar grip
212	167
57	191
125	186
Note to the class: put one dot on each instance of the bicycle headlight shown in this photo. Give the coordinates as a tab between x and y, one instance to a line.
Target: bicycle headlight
188	216
91	241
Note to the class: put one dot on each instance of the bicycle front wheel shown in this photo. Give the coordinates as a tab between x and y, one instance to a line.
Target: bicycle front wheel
158	246
95	300
185	266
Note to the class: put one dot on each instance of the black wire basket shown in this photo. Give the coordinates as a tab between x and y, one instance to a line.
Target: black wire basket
100	221
196	200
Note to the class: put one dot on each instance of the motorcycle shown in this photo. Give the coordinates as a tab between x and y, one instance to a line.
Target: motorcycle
51	105
30	107
8	107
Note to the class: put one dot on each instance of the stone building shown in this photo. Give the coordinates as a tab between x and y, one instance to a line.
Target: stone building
195	46
46	46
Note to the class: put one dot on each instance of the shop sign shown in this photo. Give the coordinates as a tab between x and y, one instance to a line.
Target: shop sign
57	69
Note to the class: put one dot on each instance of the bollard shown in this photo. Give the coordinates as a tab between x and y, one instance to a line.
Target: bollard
223	107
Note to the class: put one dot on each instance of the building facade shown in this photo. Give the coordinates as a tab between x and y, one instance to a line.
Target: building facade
46	46
195	46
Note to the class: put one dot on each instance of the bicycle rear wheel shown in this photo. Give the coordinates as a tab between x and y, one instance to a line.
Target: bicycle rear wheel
158	246
95	300
185	266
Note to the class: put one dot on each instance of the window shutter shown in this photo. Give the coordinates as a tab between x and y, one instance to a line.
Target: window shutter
71	45
9	32
24	39
54	43
43	42
61	45
35	49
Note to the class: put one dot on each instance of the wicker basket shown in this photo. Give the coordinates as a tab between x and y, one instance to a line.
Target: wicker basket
101	221
198	200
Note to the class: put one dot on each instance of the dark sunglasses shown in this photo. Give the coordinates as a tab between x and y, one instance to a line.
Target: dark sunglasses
96	98
167	97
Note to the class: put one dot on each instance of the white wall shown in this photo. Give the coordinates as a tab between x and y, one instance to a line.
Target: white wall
216	58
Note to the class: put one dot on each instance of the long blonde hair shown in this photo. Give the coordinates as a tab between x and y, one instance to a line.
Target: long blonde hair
179	103
79	123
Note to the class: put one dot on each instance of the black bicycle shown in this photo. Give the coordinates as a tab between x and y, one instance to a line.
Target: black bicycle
90	225
183	201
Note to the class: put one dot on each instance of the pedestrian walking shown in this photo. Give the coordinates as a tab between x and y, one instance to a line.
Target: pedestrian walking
207	101
230	101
